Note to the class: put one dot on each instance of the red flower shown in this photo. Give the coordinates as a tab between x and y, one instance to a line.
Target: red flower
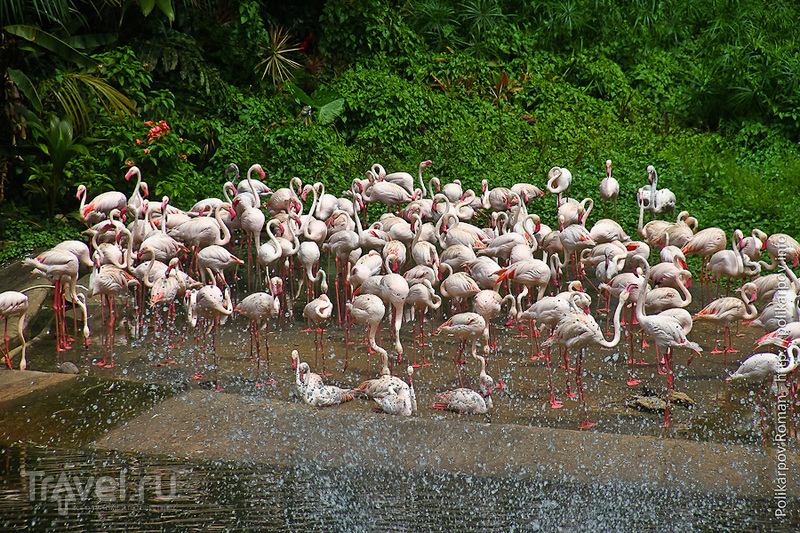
138	141
128	163
147	150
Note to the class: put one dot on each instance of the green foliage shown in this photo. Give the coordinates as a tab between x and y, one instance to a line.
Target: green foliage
121	67
499	90
21	235
58	142
177	58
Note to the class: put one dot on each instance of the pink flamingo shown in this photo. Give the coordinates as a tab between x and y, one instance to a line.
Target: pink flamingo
207	305
548	312
467	327
467	401
421	297
578	330
258	307
666	331
728	310
60	266
14	303
609	189
318	311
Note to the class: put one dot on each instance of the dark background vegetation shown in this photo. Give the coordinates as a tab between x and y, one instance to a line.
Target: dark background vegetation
705	91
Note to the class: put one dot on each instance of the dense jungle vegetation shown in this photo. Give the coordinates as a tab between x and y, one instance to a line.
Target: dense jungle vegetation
705	91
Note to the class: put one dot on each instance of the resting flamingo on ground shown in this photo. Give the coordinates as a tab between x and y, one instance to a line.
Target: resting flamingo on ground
467	401
313	390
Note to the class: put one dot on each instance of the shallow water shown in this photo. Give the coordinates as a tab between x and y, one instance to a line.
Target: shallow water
224	496
726	413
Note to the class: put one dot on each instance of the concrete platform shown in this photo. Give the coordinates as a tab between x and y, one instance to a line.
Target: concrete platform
208	425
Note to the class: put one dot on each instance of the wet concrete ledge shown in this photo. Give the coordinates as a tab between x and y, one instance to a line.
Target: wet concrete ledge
213	426
14	383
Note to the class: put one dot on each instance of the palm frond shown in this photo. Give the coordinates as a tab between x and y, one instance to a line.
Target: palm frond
70	96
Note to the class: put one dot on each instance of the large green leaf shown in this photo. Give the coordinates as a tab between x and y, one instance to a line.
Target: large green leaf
166	7
52	43
331	111
299	95
92	40
147	6
27	88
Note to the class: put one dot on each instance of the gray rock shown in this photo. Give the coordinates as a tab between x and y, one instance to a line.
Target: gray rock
69	368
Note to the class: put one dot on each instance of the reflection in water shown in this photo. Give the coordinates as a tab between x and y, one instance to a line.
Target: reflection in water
237	496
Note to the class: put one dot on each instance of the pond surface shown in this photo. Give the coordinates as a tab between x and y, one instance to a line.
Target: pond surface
146	493
726	413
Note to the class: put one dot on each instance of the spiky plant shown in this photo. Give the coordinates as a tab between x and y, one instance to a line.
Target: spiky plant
277	49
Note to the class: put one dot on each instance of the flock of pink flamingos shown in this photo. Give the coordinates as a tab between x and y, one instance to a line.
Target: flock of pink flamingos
511	264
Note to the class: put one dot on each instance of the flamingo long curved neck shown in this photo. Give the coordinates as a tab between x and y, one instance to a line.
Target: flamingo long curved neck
687	296
654	187
82	195
642	295
271	235
356	209
225	236
586	210
136	188
304	228
442	284
640	227
319	192
793	359
749	300
439	234
617	328
421	181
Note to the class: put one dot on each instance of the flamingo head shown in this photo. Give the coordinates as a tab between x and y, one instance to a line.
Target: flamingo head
131	172
608	167
81	190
